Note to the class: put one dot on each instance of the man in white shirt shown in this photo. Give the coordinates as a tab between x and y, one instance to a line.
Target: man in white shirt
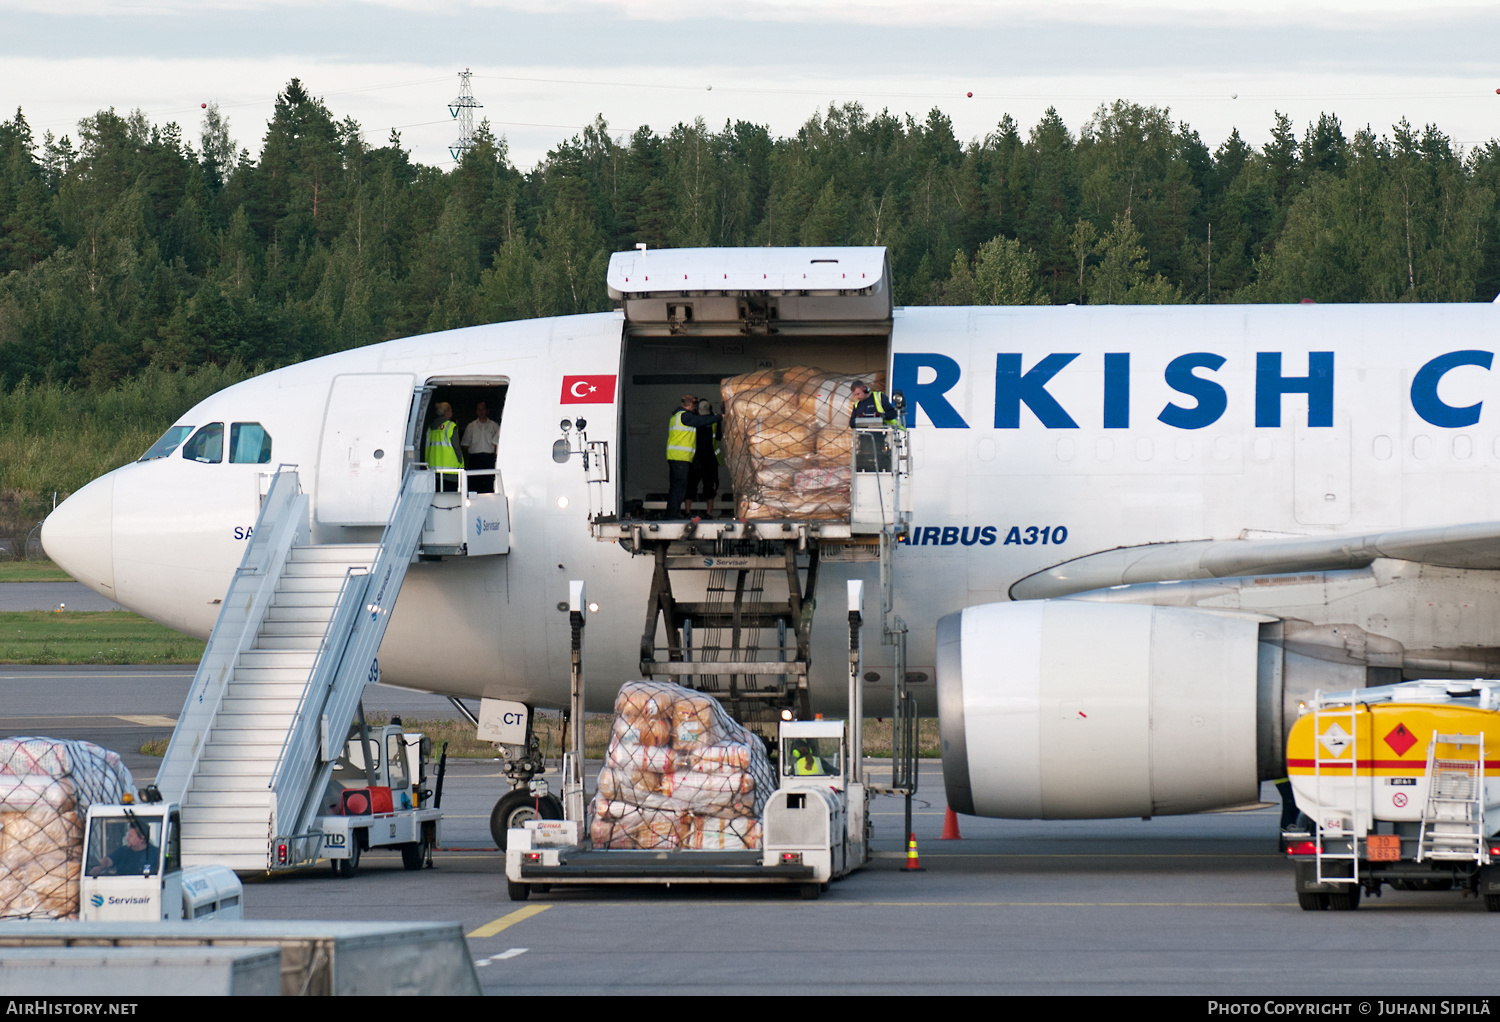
481	442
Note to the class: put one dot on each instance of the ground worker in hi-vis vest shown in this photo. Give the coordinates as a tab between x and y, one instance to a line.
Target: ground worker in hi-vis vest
682	444
874	451
442	450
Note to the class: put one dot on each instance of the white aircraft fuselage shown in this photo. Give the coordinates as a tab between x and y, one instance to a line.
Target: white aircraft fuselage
1040	436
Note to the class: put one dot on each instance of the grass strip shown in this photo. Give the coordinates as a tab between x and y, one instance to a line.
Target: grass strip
32	571
97	637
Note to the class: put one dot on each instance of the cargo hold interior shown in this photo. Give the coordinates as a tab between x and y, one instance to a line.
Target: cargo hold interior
658	370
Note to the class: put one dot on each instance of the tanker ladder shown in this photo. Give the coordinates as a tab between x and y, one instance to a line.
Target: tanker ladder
1453	818
1336	782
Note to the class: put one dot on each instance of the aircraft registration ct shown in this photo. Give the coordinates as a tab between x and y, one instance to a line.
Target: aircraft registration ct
1157	527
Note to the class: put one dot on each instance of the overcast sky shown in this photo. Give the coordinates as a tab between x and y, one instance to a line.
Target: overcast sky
544	68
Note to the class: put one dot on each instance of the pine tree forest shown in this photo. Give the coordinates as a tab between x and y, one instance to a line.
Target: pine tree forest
130	251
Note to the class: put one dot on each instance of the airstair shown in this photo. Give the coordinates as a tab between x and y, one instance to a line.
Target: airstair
280	682
1453	817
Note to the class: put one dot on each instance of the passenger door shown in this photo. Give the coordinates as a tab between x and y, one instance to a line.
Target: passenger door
360	458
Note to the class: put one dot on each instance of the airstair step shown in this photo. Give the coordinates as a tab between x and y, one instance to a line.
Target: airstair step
321	615
259	703
253	658
209	770
312	627
273	723
350	553
201	817
289	642
236	853
237	800
270	682
320	569
239	829
257	744
326	599
225	784
313	584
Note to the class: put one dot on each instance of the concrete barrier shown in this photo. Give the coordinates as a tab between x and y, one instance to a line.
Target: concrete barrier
316	958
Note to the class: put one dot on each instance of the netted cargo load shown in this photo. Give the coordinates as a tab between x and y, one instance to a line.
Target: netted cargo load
46	788
679	773
787	442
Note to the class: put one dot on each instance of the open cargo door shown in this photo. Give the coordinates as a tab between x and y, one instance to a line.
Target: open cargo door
695	317
754	291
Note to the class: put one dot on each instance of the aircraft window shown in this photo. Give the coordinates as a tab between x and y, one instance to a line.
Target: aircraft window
168	443
207	444
249	444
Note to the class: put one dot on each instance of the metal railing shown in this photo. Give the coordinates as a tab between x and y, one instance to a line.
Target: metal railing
346	660
283	519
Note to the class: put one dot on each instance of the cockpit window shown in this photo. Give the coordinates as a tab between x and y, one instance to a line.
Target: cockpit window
249	444
207	445
168	443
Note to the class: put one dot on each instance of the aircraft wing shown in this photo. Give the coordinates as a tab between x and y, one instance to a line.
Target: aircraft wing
1475	545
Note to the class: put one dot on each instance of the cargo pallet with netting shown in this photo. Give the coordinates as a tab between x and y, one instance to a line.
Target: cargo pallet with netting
688	795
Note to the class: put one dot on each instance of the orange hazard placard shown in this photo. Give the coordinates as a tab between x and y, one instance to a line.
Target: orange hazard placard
1383	848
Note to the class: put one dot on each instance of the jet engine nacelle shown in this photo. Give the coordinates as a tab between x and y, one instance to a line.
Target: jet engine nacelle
1059	709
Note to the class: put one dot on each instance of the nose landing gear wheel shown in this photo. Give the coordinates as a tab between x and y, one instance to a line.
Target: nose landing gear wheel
515	808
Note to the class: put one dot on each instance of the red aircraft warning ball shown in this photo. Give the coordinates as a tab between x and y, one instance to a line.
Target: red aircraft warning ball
203	106
971	95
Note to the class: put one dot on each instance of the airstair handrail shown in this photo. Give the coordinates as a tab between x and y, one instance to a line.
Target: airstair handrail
345	663
345	609
283	518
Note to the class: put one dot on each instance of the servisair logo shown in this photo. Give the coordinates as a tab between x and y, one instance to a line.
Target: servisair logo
481	526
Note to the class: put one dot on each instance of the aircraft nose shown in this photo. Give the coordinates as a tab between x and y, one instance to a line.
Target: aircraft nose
79	535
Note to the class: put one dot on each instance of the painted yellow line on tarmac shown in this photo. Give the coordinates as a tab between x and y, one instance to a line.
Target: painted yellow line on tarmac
505	922
1069	904
149	719
1083	855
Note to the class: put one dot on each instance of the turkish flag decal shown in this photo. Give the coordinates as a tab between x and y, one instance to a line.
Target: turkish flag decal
588	390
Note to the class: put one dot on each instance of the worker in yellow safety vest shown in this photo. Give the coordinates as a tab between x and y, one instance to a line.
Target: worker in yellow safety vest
872	404
873	451
682	444
442	451
804	763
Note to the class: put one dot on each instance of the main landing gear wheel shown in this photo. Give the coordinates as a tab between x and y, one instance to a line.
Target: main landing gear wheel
515	808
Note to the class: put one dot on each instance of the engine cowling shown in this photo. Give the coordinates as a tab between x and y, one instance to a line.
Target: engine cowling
1067	709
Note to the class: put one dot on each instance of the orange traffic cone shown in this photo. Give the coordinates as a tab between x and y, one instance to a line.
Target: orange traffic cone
913	864
950	827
